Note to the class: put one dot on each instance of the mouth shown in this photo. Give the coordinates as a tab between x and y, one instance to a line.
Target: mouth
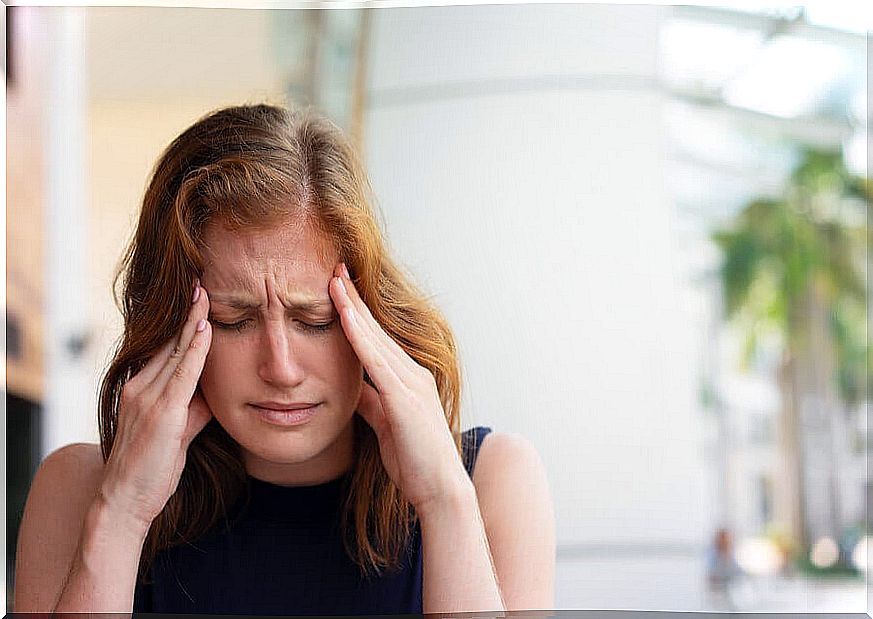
280	406
282	414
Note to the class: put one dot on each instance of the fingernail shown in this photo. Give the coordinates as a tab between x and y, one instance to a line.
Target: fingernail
196	294
346	271
342	285
201	324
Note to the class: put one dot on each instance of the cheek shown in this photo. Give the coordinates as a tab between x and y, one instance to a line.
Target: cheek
222	364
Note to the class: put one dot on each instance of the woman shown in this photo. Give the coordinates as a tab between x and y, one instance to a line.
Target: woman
280	430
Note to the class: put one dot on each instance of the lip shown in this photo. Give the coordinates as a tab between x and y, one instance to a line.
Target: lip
287	415
282	406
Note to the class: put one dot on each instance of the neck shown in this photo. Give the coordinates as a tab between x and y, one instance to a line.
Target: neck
334	461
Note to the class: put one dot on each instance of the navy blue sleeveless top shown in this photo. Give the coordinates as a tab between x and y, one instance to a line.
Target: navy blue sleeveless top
285	556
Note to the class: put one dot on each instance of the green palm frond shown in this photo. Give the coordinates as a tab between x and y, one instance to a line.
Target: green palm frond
773	250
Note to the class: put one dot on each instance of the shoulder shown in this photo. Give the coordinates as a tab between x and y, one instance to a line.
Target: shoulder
503	454
512	491
60	494
75	469
83	454
70	469
508	467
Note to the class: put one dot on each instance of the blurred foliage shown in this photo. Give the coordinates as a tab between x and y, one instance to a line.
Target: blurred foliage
815	234
837	571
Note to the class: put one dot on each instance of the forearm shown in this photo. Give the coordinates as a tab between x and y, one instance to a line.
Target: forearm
103	573
459	574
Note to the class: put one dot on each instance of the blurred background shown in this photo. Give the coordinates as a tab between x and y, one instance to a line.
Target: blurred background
647	225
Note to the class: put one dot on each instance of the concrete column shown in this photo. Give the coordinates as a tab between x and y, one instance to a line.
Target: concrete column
69	403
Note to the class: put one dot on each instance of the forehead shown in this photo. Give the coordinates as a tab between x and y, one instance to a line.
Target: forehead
289	249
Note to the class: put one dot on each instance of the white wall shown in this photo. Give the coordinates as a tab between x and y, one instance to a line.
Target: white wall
517	153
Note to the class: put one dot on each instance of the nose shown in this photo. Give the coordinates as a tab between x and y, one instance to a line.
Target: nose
278	365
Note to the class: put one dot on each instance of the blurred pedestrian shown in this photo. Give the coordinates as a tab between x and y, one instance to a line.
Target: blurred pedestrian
722	572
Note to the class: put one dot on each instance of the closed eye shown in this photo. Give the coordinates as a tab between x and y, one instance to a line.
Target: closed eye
317	328
237	326
242	325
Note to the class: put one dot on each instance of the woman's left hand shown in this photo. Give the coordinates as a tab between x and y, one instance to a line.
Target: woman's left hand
404	409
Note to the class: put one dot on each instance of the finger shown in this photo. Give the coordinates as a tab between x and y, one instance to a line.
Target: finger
378	347
154	366
370	408
199	311
157	361
371	355
185	376
351	297
367	316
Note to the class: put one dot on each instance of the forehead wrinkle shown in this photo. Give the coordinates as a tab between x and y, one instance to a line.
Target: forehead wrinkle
303	300
298	302
235	302
250	243
250	271
313	306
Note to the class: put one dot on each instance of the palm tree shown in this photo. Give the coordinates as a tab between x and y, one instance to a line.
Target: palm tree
794	270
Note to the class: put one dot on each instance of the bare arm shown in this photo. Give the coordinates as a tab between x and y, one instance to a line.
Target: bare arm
493	547
516	505
85	522
61	492
102	576
458	571
404	408
74	554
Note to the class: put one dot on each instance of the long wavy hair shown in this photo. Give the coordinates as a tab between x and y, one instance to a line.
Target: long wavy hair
258	165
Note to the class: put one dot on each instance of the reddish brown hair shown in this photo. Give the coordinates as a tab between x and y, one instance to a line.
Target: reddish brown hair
255	166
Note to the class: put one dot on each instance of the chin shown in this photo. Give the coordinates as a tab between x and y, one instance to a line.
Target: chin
284	454
286	445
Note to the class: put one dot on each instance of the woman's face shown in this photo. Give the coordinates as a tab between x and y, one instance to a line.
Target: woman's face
278	343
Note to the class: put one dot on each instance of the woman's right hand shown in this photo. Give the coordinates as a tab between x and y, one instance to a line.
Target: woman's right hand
160	413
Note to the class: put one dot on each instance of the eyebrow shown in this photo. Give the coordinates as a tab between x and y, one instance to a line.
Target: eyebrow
242	303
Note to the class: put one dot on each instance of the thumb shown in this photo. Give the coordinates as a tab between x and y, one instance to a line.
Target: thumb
199	415
370	408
